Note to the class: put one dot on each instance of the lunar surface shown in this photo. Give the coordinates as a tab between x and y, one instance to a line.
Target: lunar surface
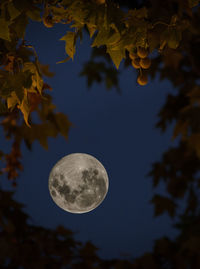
78	183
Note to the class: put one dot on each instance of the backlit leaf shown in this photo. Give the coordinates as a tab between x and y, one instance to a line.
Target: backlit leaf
37	81
114	37
116	55
174	38
164	39
16	82
92	29
45	70
12	100
64	61
22	80
101	38
24	107
70	39
171	36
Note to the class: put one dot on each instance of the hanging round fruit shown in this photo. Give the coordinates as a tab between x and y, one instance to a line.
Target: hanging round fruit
145	63
142	52
142	79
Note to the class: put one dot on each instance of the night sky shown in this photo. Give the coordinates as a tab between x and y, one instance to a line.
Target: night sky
116	129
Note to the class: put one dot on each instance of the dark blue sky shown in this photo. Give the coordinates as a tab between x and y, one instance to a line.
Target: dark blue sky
119	131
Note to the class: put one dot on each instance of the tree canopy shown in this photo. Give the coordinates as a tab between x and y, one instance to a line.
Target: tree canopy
155	38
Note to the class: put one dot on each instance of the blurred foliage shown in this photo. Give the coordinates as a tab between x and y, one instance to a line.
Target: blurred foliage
154	38
27	246
101	71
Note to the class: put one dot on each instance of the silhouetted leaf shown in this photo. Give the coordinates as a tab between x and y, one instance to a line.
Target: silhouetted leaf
146	261
4	30
63	124
163	247
192	203
177	186
3	108
34	13
13	11
19	25
163	204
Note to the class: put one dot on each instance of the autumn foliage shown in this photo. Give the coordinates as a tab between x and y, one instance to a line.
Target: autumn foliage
153	38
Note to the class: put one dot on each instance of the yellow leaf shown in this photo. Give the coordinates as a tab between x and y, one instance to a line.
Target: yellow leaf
91	29
12	100
70	39
37	81
24	107
45	70
64	61
116	55
113	39
101	38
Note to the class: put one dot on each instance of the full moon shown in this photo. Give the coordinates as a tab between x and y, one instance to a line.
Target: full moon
78	183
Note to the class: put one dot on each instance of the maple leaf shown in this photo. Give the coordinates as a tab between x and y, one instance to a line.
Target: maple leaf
24	107
163	204
69	38
12	100
116	55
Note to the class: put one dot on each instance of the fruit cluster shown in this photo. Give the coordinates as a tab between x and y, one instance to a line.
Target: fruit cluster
141	61
48	21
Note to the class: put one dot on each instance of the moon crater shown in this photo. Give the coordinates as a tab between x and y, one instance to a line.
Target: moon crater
78	183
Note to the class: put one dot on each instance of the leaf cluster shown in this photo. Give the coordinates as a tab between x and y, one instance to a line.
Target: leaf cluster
26	245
